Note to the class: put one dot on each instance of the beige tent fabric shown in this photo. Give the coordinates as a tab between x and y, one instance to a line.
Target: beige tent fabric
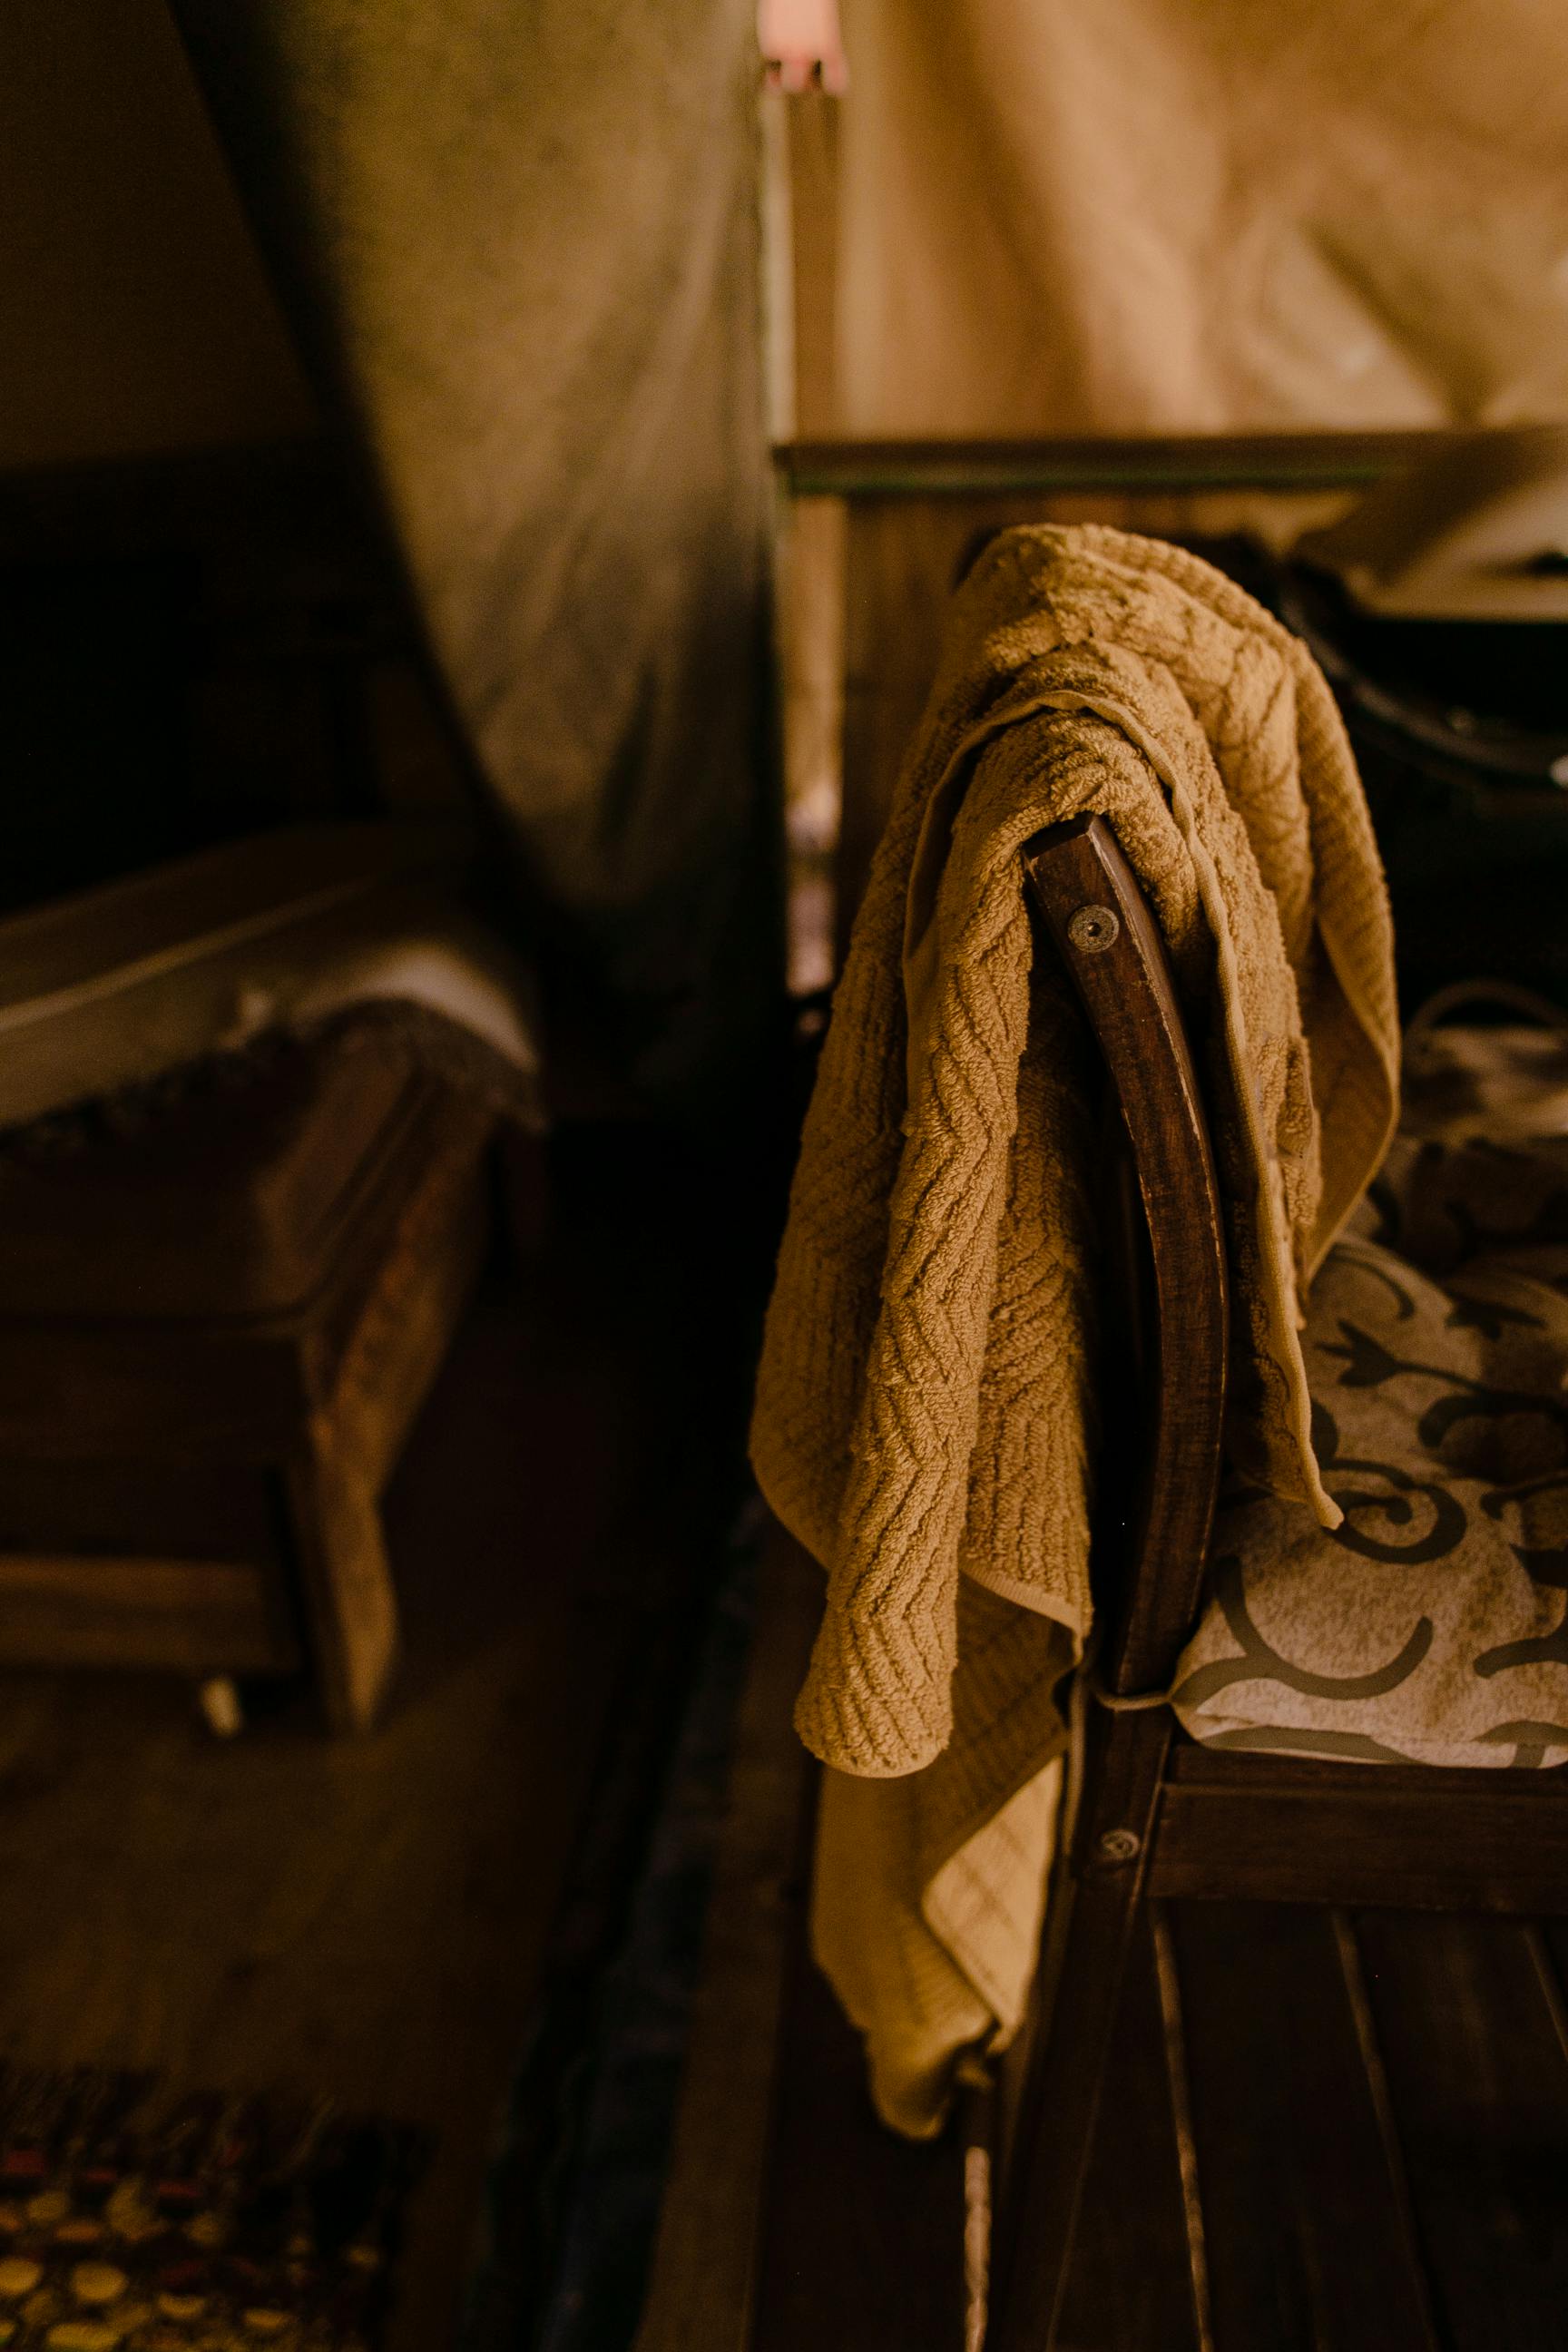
1147	216
522	242
926	1396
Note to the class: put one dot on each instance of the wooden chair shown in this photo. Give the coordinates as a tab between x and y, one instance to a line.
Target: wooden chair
1158	1817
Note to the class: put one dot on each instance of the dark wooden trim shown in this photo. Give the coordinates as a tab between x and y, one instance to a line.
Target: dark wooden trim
1106	937
1353	1975
1194	1766
190	1616
702	2286
1365	1835
1178	2075
1152	462
1088	1926
1550	1981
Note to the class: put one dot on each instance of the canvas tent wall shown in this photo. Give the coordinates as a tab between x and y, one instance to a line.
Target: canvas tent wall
1144	216
515	248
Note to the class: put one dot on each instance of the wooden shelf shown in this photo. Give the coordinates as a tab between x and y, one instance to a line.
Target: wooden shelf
1205	461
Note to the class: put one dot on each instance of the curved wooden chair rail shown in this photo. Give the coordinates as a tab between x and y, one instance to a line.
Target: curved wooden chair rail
1158	1817
1095	913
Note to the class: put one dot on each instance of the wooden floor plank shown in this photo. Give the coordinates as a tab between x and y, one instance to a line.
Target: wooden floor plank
1480	2084
703	2284
862	2248
1332	2065
861	2245
365	1917
1305	2239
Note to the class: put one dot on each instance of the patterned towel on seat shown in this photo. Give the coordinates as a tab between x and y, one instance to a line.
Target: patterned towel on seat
1431	1627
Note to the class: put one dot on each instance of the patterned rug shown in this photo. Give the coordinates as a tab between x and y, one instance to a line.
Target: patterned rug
131	2222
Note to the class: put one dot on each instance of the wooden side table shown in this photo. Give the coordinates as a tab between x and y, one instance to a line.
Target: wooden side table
194	1441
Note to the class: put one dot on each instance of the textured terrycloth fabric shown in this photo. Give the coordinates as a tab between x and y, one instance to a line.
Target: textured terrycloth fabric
925	1402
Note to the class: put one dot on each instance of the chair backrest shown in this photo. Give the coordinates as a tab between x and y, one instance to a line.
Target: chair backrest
1095	915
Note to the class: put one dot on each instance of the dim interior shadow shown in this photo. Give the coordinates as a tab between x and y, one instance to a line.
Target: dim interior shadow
578	2172
401	1921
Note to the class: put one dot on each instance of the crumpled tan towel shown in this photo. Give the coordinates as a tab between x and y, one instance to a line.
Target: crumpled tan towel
925	1402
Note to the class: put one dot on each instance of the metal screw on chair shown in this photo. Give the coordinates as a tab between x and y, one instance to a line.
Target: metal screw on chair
1119	1846
1094	929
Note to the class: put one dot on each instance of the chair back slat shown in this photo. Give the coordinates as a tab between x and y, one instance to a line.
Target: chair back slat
1097	917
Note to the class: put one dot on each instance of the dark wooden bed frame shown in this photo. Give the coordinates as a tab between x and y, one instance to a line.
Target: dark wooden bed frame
1158	1817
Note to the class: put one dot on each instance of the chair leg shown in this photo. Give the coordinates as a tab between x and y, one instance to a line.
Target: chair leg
1176	2076
222	1708
1089	1929
346	1580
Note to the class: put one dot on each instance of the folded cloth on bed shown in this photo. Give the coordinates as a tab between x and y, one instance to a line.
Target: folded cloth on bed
297	931
926	1391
